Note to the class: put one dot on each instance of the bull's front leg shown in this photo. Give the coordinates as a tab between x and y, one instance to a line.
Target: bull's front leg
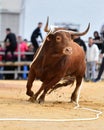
75	95
29	92
47	86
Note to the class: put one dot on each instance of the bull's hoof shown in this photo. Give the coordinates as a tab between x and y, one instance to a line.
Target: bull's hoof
30	93
40	100
74	103
31	99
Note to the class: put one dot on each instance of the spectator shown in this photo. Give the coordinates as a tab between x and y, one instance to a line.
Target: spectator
36	33
30	56
80	42
10	44
97	39
96	36
22	47
101	66
1	58
30	49
1	50
92	58
102	33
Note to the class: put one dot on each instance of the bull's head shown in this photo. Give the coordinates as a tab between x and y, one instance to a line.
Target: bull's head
61	38
46	29
58	40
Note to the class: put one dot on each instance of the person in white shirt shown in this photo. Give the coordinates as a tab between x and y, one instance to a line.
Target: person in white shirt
92	57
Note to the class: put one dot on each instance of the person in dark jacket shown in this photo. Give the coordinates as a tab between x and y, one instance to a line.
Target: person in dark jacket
96	35
36	33
101	69
97	40
10	43
80	42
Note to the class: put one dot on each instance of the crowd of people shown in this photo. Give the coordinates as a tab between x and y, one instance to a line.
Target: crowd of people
94	50
15	49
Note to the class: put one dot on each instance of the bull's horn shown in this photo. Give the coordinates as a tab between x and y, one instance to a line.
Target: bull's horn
81	33
46	26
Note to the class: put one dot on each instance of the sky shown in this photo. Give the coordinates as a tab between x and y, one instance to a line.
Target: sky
79	12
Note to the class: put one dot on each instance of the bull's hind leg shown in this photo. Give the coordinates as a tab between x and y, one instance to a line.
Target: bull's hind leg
64	84
31	78
76	93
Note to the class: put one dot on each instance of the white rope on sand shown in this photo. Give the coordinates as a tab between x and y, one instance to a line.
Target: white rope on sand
55	120
98	113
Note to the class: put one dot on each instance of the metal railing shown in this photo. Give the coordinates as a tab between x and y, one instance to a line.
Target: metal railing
17	64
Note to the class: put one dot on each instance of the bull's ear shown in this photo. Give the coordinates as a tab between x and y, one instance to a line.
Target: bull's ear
49	37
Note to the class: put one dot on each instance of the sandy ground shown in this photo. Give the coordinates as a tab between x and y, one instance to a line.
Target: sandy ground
14	104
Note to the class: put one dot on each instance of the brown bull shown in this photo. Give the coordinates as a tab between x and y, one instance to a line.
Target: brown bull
60	58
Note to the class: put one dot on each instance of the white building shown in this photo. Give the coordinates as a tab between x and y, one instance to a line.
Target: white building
9	16
23	15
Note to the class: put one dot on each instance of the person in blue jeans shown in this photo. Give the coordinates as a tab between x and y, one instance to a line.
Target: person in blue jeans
92	56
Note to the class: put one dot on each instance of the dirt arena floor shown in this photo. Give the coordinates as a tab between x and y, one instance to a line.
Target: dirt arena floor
14	104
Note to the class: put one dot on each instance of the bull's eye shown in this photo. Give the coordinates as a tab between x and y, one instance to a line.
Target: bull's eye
58	38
